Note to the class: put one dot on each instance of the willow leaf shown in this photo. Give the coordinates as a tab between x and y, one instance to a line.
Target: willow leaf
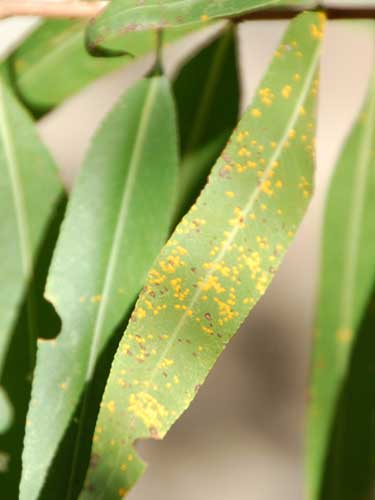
207	98
29	189
349	470
348	265
127	16
52	63
216	265
116	222
35	316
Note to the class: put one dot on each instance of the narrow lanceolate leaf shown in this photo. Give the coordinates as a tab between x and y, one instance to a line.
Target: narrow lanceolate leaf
350	465
126	16
216	265
52	63
116	222
207	98
29	189
347	275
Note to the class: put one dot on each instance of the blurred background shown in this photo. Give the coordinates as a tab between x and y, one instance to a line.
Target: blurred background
242	437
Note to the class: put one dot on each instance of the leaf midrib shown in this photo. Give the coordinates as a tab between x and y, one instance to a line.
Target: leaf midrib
13	169
129	183
293	119
101	26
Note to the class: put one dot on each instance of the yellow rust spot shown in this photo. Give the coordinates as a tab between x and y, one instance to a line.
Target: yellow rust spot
140	313
230	194
204	18
344	335
286	91
256	113
266	96
121	492
241	136
165	363
148	409
315	32
123	467
244	152
111	406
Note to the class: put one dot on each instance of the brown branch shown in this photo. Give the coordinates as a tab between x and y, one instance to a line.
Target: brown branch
331	13
76	9
57	10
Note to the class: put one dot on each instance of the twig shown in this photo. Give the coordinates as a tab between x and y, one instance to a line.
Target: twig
56	10
88	9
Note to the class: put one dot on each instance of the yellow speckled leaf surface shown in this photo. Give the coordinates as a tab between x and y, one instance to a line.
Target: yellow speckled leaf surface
216	265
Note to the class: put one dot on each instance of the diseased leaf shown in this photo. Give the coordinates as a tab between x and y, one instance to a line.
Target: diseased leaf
127	16
29	190
52	63
207	98
116	222
217	264
347	275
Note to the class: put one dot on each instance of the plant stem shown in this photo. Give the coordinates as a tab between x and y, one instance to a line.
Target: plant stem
57	10
75	9
88	9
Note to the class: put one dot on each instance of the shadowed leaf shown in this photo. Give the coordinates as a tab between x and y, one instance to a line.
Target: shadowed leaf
207	98
350	468
216	265
29	194
29	190
35	317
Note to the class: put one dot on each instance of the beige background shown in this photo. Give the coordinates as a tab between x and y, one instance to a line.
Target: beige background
242	438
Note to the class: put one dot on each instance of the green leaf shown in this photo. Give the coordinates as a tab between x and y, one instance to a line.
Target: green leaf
127	16
52	63
29	190
35	316
207	97
117	219
347	275
350	469
216	265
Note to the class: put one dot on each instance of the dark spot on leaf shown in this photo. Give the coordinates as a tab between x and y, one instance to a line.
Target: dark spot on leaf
94	460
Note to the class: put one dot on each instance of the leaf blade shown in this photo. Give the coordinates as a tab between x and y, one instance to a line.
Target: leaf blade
119	189
52	63
185	314
348	260
207	97
23	159
125	16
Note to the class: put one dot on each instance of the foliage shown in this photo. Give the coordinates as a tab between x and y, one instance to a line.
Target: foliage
348	265
187	212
